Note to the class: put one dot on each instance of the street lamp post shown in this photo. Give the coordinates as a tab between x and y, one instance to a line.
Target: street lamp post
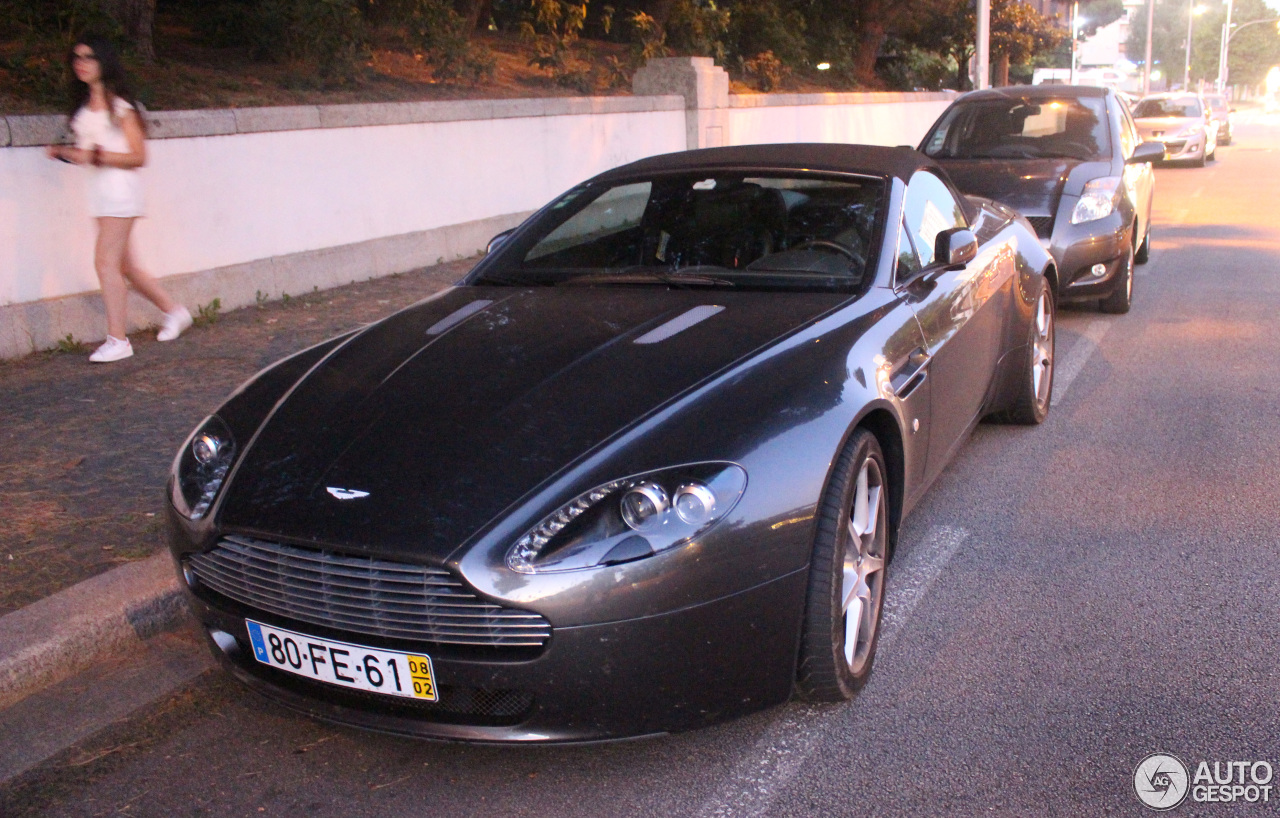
1221	85
1226	43
1146	62
1192	11
1075	14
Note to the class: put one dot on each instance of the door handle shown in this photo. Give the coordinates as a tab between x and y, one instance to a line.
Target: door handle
911	374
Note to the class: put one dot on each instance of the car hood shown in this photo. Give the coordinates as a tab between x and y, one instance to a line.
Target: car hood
1033	187
433	421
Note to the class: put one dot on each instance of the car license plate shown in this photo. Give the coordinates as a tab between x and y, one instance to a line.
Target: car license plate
341	663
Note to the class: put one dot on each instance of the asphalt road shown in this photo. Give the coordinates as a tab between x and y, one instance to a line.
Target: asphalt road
1066	601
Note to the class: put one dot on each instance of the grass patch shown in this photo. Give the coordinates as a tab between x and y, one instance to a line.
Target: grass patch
69	346
207	315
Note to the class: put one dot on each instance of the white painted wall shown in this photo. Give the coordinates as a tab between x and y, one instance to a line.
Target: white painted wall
872	123
257	202
214	201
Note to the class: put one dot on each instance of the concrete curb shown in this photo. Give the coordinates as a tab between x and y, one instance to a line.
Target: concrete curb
60	635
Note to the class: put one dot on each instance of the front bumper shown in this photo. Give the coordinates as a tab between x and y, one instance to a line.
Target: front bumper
1187	149
680	670
1078	247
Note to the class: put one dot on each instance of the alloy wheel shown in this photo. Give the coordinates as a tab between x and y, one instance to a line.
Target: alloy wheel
864	561
1042	353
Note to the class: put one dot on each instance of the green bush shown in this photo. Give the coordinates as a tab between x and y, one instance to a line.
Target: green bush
759	26
697	29
439	32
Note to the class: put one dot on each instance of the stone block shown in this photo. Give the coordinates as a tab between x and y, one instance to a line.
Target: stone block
287	118
300	273
4	132
39	129
178	124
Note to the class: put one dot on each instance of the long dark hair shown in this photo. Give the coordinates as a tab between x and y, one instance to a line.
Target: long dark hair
114	78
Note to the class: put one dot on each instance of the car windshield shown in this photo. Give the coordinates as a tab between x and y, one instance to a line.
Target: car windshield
1158	108
1022	129
1217	103
709	229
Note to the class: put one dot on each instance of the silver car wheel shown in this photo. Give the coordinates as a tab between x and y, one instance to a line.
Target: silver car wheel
1042	354
864	555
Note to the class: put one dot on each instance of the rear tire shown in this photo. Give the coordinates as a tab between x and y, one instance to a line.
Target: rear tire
1121	300
1035	379
846	576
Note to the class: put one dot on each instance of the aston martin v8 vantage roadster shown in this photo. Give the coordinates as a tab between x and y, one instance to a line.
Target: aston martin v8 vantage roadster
642	470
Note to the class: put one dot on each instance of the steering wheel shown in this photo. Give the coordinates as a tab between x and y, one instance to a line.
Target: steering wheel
834	246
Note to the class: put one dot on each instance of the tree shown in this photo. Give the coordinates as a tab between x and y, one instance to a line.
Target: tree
1018	33
1252	52
137	19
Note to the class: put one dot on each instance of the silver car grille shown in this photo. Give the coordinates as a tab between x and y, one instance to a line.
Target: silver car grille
362	595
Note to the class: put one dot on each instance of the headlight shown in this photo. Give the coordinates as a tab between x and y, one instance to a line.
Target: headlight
1191	130
201	466
1098	200
630	519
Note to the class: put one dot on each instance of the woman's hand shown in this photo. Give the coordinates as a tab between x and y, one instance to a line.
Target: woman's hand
66	153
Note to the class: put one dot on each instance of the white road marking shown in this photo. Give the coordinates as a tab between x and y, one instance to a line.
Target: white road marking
911	576
1199	190
1076	358
787	743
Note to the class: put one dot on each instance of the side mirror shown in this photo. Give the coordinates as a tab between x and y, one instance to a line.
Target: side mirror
955	247
497	240
1146	152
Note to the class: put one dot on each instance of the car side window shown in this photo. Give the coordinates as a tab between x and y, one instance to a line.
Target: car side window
1128	134
908	261
928	208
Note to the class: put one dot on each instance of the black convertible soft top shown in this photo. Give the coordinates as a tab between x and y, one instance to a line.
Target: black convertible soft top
873	160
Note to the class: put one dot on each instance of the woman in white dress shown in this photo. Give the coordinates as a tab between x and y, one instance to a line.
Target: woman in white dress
111	141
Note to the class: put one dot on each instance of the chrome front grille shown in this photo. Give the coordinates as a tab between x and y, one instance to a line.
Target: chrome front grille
362	595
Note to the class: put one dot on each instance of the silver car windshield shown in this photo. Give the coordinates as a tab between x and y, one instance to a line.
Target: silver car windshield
1161	108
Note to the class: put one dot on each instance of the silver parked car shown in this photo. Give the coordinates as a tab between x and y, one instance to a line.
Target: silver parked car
1221	111
1182	122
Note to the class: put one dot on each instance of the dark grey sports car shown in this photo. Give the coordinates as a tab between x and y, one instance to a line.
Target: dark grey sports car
641	471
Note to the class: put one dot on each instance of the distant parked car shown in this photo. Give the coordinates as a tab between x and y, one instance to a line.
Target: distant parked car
1070	160
1221	110
1182	122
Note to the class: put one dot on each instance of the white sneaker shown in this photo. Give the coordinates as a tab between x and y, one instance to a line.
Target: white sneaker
175	323
113	350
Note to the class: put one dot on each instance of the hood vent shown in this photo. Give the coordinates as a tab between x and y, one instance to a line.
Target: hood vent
679	324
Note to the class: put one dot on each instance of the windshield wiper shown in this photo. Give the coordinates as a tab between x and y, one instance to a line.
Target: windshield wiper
674	279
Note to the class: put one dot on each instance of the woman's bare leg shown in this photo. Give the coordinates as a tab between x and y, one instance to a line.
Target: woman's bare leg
143	282
108	259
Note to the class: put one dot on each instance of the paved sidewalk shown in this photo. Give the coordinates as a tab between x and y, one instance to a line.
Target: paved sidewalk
85	448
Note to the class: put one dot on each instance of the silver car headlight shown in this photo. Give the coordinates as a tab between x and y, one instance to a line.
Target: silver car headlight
201	467
1098	200
630	519
1191	130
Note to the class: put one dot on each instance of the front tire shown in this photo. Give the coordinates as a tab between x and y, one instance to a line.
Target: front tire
1121	300
1144	250
1035	380
846	576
